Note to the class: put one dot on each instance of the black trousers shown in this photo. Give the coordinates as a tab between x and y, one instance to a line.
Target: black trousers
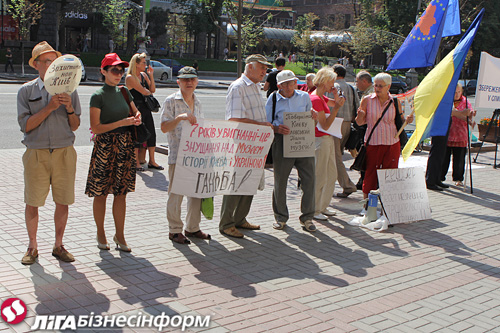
436	158
458	163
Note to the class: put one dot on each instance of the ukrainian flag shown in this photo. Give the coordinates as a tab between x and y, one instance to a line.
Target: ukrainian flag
433	99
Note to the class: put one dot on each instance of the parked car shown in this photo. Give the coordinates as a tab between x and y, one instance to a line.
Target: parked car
161	71
398	85
470	90
84	74
172	63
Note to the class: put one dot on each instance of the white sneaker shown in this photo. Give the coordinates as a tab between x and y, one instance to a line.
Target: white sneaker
320	217
362	212
329	212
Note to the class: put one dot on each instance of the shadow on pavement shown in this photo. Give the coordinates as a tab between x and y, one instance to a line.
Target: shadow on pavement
354	263
422	232
362	238
142	282
73	294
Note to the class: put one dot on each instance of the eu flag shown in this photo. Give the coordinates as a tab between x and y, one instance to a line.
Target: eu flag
422	44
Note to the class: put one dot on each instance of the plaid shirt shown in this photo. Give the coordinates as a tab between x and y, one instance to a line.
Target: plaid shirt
173	106
244	100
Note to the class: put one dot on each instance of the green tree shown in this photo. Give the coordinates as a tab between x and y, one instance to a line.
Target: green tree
157	18
27	13
302	37
115	16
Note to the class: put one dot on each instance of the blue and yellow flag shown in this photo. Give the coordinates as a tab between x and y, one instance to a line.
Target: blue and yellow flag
433	99
422	44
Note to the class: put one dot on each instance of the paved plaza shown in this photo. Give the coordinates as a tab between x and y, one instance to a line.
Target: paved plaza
440	275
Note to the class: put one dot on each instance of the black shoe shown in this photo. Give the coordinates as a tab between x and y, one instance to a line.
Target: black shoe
443	185
434	187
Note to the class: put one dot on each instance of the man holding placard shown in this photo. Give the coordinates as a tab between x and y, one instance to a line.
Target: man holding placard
244	103
288	99
48	123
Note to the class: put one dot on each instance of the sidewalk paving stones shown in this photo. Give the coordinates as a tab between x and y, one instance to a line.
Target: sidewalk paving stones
440	275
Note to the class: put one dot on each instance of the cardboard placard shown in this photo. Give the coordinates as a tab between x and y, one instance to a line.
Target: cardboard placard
63	75
404	194
300	141
221	157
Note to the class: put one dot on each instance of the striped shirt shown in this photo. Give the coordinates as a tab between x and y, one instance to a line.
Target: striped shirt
386	130
244	100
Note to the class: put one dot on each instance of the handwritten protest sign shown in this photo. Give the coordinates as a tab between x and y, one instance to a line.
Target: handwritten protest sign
300	141
221	157
404	194
63	75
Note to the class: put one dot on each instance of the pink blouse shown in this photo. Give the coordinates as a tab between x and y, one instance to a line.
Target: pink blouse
386	130
458	128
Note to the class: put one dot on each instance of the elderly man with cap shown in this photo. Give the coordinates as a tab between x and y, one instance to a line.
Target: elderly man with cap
182	105
288	99
48	123
244	103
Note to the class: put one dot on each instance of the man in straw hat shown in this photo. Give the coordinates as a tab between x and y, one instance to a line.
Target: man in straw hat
48	123
244	103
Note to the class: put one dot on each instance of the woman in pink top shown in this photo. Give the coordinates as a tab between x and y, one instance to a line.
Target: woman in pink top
326	168
382	152
457	137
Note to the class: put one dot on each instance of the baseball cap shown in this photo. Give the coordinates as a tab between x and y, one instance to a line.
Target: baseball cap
112	59
187	73
285	75
259	58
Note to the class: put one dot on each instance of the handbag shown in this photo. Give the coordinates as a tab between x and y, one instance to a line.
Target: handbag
139	133
360	160
403	137
152	103
355	139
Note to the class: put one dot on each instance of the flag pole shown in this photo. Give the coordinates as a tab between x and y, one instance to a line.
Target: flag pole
468	137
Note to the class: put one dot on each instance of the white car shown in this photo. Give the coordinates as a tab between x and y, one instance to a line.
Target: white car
161	72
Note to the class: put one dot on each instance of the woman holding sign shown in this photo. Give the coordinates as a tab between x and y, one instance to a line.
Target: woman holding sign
112	165
326	167
378	112
141	83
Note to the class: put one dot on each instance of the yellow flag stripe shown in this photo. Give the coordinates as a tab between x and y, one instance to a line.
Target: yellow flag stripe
428	96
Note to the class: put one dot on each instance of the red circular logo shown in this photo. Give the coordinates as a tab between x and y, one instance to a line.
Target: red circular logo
13	311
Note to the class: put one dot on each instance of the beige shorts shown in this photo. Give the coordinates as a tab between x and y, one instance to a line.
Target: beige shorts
46	168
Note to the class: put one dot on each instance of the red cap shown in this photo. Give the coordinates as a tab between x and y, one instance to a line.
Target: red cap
112	59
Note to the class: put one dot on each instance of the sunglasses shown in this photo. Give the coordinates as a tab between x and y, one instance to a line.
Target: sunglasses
117	71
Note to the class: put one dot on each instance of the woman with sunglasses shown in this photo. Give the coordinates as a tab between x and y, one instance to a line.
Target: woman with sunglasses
112	165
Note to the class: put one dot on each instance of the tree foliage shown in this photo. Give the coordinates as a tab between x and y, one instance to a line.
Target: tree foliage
303	31
27	13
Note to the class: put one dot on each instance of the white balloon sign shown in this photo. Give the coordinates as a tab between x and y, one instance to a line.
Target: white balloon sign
63	75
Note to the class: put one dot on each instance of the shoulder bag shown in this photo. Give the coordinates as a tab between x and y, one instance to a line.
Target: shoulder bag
139	133
360	160
150	101
403	137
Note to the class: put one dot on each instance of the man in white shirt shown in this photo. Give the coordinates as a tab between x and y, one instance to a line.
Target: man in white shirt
244	103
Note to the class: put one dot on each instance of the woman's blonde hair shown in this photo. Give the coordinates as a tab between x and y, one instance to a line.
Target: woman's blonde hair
132	68
324	75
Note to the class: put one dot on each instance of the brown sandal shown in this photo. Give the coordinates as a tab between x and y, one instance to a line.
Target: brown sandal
179	238
198	234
